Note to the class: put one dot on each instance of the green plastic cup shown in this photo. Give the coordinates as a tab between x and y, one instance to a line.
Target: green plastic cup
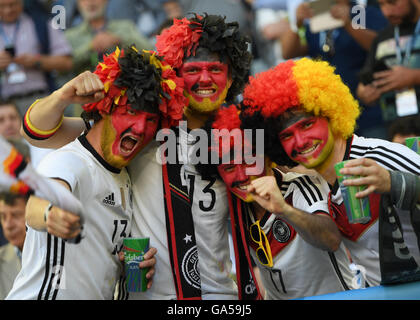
134	250
358	210
413	143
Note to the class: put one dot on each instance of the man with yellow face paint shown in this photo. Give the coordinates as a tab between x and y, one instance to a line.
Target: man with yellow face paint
292	239
212	57
125	116
309	117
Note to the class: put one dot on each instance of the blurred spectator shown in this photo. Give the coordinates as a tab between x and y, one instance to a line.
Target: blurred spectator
345	48
393	64
152	15
172	9
30	49
116	9
9	128
270	24
234	10
10	123
12	217
403	128
10	120
98	34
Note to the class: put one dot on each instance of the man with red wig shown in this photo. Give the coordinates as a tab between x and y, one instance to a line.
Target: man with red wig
294	242
184	215
309	116
139	89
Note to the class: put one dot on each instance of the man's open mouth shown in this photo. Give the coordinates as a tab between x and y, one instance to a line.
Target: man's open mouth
129	143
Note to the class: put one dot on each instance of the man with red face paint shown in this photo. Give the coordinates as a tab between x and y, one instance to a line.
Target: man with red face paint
294	242
309	117
212	57
93	168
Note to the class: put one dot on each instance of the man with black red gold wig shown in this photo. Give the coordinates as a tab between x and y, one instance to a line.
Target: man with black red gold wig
128	95
309	116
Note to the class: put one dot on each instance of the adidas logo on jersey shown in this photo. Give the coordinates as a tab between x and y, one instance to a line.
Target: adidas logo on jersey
109	200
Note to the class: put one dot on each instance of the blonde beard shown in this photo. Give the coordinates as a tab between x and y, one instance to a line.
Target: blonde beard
108	137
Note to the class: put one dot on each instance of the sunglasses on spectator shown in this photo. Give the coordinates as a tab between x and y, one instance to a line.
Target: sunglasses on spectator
263	251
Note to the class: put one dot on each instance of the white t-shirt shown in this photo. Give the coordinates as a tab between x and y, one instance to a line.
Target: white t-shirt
362	239
54	269
210	213
300	269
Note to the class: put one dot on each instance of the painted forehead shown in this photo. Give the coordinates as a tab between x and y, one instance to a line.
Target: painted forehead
203	54
293	116
143	108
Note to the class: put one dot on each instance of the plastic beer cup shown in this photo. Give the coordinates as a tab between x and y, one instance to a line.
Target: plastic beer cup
134	250
413	143
358	210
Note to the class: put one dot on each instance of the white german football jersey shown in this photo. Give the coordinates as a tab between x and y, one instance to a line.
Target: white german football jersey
55	269
362	239
210	213
300	269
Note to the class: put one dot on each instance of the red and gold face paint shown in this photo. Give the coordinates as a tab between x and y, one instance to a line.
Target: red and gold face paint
125	133
206	84
236	179
308	140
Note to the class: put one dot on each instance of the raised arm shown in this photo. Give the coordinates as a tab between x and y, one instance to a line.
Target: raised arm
318	230
46	114
291	44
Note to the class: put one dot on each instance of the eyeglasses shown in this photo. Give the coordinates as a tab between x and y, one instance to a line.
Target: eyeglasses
263	251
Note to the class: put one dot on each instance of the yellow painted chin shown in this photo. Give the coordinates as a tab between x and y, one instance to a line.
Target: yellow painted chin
206	105
108	137
247	198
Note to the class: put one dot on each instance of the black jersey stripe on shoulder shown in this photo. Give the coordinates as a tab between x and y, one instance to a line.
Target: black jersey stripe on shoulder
303	192
386	159
47	267
389	165
388	153
308	188
337	270
318	192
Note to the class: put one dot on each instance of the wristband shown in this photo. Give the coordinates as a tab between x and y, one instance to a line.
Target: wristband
35	133
47	211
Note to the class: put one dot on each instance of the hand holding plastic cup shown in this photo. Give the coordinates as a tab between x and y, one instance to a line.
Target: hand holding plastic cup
134	250
357	209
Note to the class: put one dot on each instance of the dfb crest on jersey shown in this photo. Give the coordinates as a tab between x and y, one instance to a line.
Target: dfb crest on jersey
281	231
190	268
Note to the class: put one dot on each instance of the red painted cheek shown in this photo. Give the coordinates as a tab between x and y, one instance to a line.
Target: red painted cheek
205	78
122	122
303	137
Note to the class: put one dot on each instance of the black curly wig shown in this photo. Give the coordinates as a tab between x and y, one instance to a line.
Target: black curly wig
230	44
142	80
272	147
